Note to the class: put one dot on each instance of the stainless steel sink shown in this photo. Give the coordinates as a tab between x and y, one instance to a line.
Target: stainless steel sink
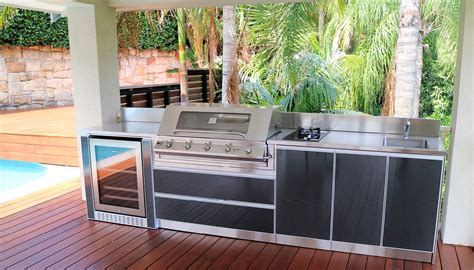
406	143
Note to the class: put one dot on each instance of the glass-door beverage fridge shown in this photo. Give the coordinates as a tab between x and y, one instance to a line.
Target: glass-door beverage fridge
118	180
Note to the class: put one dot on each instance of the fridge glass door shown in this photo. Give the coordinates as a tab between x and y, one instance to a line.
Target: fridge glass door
117	176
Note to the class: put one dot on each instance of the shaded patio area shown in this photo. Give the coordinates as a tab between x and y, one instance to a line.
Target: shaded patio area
44	136
56	234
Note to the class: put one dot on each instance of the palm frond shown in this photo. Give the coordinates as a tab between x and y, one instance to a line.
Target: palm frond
6	15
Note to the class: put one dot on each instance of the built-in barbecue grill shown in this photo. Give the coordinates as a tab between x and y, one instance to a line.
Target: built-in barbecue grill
215	137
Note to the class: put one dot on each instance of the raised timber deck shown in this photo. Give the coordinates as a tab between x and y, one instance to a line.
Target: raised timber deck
57	235
45	136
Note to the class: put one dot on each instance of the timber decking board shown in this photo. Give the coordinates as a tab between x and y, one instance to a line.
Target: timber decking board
265	257
60	236
55	121
44	136
320	259
284	258
212	254
302	259
247	256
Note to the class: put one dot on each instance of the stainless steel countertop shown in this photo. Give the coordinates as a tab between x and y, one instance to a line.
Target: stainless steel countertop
125	129
362	142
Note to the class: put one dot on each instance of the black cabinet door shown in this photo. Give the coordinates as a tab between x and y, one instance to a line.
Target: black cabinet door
215	186
304	192
358	199
412	203
221	215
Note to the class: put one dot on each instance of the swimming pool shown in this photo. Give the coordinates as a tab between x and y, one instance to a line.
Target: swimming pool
19	178
22	173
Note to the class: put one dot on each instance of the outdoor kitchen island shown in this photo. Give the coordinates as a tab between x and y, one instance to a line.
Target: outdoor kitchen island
368	185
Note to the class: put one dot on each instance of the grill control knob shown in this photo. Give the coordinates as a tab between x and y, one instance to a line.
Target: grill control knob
248	151
168	144
187	145
207	146
228	147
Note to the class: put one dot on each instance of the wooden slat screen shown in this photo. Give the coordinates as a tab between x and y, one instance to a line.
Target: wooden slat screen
161	95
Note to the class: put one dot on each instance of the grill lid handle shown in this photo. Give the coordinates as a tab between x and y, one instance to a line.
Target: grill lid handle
242	135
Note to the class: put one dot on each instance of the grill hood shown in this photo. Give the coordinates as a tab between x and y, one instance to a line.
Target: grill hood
219	121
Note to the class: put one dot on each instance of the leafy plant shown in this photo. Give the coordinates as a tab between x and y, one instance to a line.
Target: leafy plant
358	37
311	87
6	15
135	30
158	33
30	28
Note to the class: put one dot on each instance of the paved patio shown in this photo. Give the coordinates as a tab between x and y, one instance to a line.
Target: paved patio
56	235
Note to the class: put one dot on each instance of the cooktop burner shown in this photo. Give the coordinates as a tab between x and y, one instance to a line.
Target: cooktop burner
307	134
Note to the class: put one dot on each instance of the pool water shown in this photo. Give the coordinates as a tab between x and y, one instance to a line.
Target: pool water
22	173
20	178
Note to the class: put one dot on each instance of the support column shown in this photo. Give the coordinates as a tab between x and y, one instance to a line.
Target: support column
94	59
95	67
458	218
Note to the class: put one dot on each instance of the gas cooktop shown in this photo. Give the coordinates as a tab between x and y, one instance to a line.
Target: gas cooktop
307	134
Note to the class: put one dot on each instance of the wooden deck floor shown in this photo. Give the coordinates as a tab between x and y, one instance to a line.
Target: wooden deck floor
56	235
45	136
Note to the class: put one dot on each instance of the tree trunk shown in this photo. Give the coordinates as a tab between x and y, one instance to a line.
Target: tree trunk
409	61
212	52
183	70
229	47
199	50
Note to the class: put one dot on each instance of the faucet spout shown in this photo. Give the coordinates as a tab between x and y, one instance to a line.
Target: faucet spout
406	129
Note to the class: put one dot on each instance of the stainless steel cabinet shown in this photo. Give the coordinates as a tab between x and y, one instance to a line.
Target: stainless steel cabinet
412	203
358	198
304	191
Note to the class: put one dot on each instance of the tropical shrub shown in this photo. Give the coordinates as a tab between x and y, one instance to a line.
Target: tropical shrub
30	28
310	86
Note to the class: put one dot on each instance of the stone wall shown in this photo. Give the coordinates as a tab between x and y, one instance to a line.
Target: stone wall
37	76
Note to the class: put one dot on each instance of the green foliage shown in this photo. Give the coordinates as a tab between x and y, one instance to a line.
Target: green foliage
437	85
30	28
356	39
310	87
159	35
6	14
439	59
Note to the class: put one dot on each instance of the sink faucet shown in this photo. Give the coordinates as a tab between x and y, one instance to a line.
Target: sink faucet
406	129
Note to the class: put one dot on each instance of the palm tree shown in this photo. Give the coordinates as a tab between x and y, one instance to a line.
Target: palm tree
409	60
229	50
198	28
355	38
212	44
183	70
312	81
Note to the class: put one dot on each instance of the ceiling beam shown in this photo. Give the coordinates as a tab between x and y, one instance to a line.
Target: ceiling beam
127	5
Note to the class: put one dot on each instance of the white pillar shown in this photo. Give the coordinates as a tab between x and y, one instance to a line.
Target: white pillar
95	67
458	219
94	59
